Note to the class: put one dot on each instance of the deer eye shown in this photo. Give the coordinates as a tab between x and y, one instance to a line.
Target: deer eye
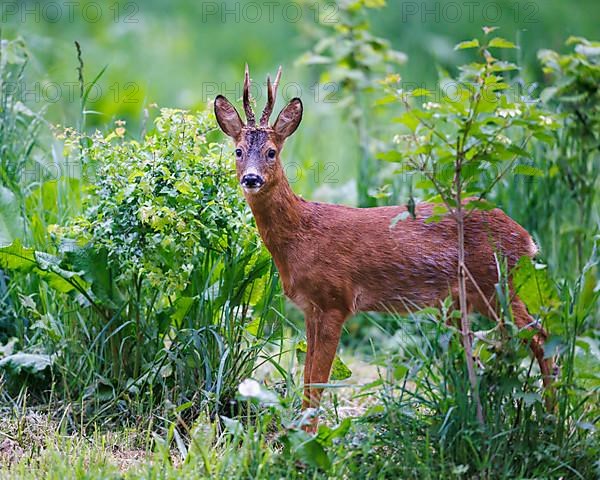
271	153
238	152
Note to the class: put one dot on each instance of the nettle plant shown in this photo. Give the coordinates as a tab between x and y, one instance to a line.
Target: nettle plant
461	141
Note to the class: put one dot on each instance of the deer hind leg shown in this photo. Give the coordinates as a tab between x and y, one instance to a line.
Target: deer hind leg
524	320
322	345
536	344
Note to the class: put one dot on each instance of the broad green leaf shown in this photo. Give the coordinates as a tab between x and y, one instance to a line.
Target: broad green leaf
46	266
548	93
529	397
304	447
26	363
386	100
544	137
182	307
233	426
339	370
326	435
17	257
390	156
420	92
313	59
96	270
467	44
374	3
499	42
253	326
533	285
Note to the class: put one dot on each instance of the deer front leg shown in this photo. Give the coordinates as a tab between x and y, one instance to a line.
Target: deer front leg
323	334
310	321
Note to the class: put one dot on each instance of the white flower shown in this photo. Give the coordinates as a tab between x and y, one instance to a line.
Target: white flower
249	388
544	120
252	389
431	105
509	112
503	139
145	213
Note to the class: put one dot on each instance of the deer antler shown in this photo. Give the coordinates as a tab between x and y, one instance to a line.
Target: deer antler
271	95
247	106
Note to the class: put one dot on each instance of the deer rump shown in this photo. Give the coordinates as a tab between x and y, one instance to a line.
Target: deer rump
354	259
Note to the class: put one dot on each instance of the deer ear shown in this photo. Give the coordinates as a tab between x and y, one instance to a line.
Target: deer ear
227	117
289	118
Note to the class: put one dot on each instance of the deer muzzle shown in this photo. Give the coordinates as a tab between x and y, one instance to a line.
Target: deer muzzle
252	182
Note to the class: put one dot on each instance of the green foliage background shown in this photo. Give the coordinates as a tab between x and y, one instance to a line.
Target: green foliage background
180	54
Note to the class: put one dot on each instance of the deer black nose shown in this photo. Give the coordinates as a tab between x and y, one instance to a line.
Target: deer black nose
252	180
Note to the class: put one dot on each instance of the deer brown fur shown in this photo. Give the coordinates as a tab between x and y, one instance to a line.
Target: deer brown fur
335	260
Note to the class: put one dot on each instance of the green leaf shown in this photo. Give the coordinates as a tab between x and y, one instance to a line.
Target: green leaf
233	426
326	435
390	156
528	170
339	370
26	363
533	285
548	93
529	397
499	42
92	84
374	3
313	59
479	204
11	223
96	270
554	346
17	257
421	92
386	100
182	307
304	447
467	44
409	120
26	260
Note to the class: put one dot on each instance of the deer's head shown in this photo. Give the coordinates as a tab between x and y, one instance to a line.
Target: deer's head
257	147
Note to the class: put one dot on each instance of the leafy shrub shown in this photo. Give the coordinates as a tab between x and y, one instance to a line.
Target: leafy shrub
157	205
164	265
574	167
557	205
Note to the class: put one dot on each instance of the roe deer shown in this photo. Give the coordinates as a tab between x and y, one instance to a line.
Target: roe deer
335	260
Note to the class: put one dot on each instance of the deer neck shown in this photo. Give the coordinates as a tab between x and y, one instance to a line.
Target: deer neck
278	215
